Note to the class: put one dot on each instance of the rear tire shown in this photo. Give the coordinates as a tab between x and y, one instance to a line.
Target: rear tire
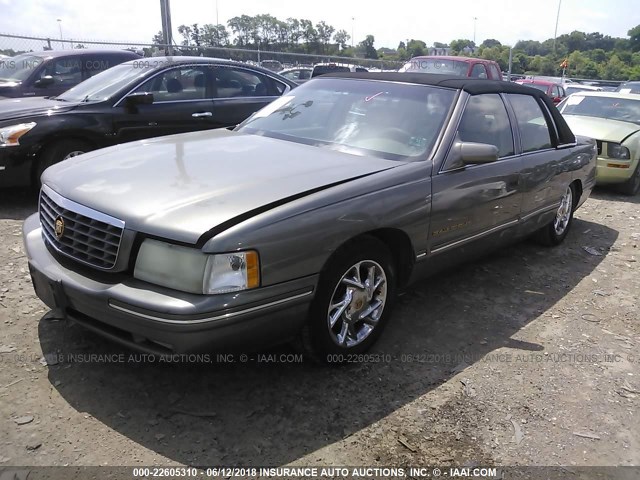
352	304
55	153
632	186
555	232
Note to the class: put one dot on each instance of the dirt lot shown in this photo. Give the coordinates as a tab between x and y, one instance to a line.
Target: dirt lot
528	357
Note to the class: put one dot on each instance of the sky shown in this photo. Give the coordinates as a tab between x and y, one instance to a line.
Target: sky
389	22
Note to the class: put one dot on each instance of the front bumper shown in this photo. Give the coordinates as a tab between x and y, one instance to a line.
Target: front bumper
607	175
163	321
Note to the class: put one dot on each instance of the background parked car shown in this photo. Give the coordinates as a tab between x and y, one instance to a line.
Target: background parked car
629	87
576	87
50	73
273	65
446	65
324	68
552	89
137	99
613	119
298	74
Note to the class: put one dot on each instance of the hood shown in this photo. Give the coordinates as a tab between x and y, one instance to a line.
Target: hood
181	186
601	128
12	108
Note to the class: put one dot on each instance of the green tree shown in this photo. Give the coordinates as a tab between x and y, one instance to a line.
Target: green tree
186	32
490	42
614	69
457	46
341	37
214	35
368	46
634	38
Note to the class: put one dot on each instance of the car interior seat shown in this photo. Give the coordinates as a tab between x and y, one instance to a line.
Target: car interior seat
174	86
260	90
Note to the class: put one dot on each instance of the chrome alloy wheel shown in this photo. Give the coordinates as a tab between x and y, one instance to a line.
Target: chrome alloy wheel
357	303
563	216
75	153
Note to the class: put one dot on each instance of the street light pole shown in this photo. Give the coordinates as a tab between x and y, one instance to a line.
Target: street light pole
59	20
353	21
217	21
555	33
474	30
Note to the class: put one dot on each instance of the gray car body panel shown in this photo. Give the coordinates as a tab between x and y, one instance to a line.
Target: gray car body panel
180	186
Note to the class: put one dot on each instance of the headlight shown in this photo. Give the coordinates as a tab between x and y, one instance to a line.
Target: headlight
615	150
10	135
231	272
190	270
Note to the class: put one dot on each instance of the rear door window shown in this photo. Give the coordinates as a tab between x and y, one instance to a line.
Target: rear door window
532	123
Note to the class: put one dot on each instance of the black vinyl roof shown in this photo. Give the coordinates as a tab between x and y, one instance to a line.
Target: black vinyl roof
473	86
470	85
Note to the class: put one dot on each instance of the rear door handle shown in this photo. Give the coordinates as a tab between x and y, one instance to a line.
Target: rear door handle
202	114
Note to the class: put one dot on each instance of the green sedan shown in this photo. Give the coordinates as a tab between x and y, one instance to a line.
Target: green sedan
613	119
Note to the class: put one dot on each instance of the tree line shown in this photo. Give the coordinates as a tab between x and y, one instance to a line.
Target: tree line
588	55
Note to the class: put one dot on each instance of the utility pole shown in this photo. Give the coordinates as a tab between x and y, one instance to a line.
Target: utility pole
475	19
353	21
555	33
167	37
59	20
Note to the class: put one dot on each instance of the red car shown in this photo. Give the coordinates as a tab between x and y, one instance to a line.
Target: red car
461	66
554	90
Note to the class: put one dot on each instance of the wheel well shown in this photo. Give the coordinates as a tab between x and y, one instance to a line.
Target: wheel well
577	185
50	143
399	246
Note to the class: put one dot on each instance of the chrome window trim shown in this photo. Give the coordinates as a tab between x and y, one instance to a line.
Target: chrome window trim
206	65
216	318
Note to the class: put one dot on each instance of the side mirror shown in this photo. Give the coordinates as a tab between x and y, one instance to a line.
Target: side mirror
474	153
139	98
44	81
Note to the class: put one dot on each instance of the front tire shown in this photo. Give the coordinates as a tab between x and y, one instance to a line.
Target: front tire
353	302
555	232
632	185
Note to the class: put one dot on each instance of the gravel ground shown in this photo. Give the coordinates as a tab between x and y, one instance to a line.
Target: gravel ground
527	357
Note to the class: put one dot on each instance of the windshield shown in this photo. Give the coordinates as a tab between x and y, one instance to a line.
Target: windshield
18	69
385	120
102	86
614	108
436	65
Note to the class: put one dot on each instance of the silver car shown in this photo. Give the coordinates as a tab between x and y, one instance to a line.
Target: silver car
306	219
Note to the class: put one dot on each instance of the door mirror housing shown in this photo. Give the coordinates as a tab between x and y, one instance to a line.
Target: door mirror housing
44	81
139	98
472	153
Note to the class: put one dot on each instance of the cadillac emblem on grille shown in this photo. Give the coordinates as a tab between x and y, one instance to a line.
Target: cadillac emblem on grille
59	227
77	231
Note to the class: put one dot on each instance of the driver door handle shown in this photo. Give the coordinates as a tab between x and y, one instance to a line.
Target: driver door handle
202	114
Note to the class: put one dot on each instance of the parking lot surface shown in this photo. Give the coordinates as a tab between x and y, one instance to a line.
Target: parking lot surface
528	357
